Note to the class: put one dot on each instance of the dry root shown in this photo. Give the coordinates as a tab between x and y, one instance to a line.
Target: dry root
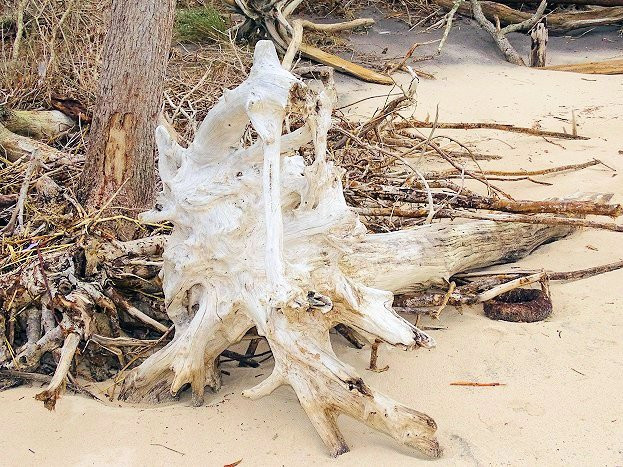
303	267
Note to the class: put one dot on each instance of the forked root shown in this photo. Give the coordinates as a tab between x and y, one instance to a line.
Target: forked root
327	387
54	389
190	358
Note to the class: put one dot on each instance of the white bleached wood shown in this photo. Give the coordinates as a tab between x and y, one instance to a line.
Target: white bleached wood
51	393
260	239
228	268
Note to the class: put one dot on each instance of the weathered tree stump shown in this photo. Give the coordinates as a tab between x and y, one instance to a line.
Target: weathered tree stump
539	37
260	239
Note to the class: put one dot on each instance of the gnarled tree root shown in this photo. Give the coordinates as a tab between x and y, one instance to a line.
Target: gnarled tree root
303	268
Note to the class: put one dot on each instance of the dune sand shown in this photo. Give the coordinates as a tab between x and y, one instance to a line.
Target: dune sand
562	403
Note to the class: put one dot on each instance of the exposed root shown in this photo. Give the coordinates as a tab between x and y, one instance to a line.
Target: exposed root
305	267
53	391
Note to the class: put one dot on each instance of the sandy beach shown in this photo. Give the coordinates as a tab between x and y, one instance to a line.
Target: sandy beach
561	402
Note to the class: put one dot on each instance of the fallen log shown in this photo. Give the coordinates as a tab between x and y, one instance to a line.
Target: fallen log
608	67
556	22
43	125
14	147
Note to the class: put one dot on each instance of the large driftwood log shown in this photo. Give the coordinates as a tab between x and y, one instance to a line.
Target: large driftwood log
304	266
556	22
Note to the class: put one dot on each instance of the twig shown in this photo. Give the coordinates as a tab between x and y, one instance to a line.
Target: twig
166	447
18	211
407	56
435	314
522	173
470	383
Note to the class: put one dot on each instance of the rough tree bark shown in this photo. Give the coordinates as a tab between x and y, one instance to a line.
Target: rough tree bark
120	157
305	266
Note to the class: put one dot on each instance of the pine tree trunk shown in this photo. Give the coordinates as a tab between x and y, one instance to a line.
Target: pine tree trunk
120	157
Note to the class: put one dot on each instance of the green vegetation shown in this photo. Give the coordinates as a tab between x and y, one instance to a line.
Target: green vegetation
199	24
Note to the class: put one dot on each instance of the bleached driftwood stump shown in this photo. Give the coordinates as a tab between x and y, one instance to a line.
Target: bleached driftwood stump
260	239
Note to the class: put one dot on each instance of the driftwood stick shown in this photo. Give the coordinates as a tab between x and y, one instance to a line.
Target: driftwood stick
551	275
401	65
72	384
499	34
435	314
474	201
351	336
412	123
520	218
485	280
609	67
374	355
522	173
449	18
345	66
17	217
124	304
510	285
584	273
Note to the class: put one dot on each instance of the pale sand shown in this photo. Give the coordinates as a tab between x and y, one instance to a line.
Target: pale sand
562	403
